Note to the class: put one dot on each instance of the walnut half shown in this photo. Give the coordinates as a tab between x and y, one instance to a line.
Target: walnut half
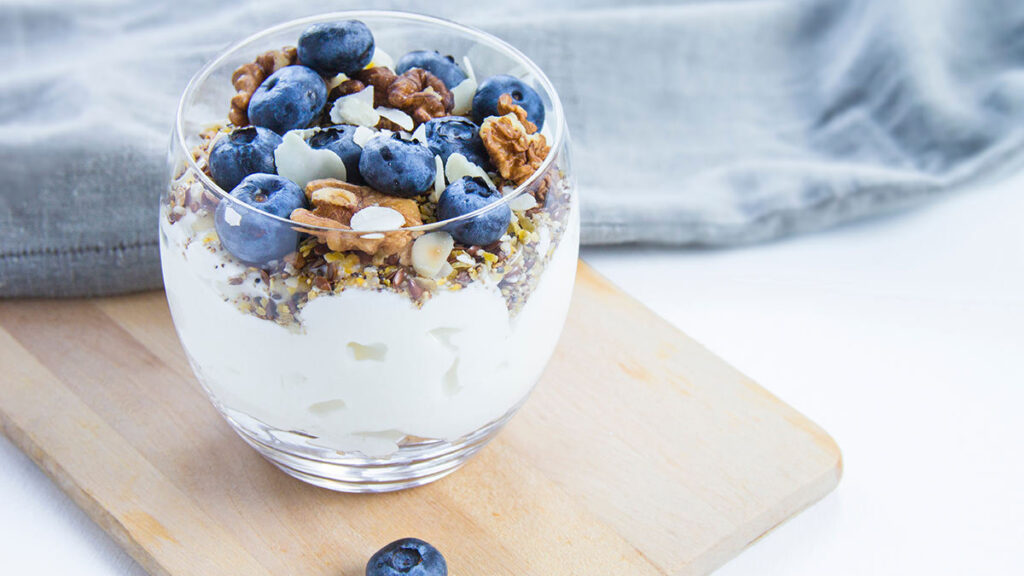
335	201
421	95
516	148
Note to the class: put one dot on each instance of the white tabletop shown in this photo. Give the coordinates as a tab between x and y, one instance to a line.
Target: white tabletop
902	336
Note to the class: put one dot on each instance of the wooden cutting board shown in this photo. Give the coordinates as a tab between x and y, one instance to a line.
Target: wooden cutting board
639	453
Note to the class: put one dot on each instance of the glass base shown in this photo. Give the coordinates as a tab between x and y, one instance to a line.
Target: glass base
415	463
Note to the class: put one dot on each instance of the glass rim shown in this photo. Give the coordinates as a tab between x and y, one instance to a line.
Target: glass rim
475	34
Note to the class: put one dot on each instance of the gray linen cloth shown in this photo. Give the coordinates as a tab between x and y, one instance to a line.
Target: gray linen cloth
707	123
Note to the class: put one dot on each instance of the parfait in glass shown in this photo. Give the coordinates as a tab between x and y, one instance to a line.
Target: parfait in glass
369	242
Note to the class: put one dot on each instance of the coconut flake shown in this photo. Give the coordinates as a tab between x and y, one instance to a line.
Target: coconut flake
469	68
523	202
301	164
396	116
335	81
355	109
463	96
458	166
545	242
362	135
381	59
438	179
430	253
420	134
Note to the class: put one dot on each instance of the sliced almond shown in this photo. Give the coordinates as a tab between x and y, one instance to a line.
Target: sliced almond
397	116
381	59
459	166
438	179
377	218
335	81
469	68
362	135
231	217
523	202
420	134
430	253
463	96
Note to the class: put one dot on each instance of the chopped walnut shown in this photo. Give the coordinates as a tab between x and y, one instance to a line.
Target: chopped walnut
515	148
385	124
201	151
508	106
248	77
381	79
421	95
540	188
334	202
350	86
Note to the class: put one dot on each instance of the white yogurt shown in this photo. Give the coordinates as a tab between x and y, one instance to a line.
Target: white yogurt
367	368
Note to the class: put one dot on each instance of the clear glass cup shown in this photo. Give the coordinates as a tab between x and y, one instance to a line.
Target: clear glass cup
343	365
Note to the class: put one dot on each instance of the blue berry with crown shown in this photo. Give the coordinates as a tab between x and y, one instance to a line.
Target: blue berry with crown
251	236
467	195
407	557
245	151
288	99
397	167
456	135
485	101
444	67
339	139
333	48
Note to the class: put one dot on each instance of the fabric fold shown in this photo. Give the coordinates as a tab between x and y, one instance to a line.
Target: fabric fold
693	123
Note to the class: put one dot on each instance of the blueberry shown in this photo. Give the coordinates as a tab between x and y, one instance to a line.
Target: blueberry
250	236
456	135
407	557
444	67
289	99
485	101
245	151
466	195
339	140
397	167
332	48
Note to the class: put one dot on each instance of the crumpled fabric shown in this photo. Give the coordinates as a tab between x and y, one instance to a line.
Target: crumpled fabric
693	123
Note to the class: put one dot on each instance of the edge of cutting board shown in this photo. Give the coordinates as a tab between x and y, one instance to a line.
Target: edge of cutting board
696	462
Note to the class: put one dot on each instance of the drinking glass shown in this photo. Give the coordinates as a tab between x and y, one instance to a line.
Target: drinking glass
350	369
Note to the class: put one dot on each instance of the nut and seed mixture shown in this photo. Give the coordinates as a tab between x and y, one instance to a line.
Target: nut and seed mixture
328	262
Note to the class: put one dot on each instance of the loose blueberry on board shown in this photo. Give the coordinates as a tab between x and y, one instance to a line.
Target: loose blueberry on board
338	139
456	135
397	167
332	48
466	195
407	557
444	67
485	101
245	151
288	100
250	236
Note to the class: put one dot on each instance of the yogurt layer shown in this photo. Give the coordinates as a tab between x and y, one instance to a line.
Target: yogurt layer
366	368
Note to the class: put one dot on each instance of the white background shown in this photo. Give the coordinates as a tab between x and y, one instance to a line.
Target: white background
902	336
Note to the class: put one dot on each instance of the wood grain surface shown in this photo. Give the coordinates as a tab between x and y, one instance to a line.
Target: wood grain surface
639	453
